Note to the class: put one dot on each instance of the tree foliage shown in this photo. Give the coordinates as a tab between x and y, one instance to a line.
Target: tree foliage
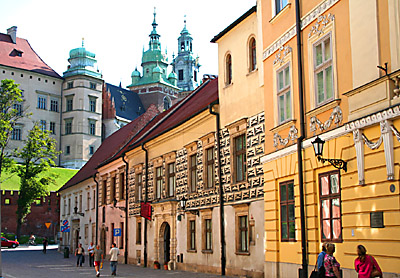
10	97
37	156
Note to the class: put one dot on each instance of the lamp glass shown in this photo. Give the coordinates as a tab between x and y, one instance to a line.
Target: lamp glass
318	145
183	202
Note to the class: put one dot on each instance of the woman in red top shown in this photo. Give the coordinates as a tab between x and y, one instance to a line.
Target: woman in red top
366	265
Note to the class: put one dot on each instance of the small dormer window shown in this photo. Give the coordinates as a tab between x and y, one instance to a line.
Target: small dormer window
16	52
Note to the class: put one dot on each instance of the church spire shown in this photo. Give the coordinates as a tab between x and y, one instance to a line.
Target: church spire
154	43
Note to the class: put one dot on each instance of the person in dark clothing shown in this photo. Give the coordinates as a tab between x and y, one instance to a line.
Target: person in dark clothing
45	243
79	253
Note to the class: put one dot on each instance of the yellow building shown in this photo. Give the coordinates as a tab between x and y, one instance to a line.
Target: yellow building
352	105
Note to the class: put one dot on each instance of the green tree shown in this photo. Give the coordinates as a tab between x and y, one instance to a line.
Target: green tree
37	156
10	98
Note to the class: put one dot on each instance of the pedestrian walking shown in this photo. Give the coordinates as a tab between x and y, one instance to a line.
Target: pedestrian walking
79	253
366	265
98	259
45	243
91	251
114	252
332	267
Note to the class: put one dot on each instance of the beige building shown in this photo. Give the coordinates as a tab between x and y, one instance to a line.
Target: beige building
40	85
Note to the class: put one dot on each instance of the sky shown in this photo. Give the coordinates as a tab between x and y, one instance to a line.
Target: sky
116	31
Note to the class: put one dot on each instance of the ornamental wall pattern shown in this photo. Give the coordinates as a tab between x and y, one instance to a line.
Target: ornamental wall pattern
252	188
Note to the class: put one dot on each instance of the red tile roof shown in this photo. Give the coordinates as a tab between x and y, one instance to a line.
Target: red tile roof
193	104
111	145
29	60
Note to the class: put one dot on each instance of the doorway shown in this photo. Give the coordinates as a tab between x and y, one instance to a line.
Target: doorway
165	240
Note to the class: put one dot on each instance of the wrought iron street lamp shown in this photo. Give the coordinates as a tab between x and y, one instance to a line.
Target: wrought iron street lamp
115	205
183	202
318	145
79	213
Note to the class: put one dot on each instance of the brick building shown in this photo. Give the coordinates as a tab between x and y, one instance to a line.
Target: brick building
43	211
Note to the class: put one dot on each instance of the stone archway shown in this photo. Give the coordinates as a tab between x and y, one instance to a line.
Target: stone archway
165	243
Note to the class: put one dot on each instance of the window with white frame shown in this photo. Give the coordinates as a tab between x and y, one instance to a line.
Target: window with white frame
323	70
41	102
279	5
92	127
284	91
42	125
18	109
52	127
54	105
92	104
16	133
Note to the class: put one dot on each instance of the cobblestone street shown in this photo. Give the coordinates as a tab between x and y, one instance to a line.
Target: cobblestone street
31	262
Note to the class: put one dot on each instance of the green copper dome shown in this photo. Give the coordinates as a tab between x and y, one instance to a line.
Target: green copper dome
81	52
157	69
172	75
135	73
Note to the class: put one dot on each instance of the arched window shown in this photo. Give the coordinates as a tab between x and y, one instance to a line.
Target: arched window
228	69
252	54
167	103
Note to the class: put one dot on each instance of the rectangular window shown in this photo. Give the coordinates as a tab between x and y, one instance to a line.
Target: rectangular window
92	85
171	179
68	126
65	207
94	199
193	173
122	186
70	85
91	150
54	105
43	125
80	202
158	182
331	214
121	238
92	127
288	228
180	75
284	97
195	76
69	206
67	150
104	193
192	235
112	232
52	127
69	105
112	189
243	234
208	234
92	104
16	133
210	167
138	189
323	70
138	232
279	5
88	200
240	158
41	102
18	109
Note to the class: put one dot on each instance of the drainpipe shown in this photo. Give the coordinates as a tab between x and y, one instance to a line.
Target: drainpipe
126	208
221	194
145	200
299	143
97	206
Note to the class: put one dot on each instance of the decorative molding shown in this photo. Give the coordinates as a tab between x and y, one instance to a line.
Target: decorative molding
386	134
359	145
395	132
310	17
370	144
292	136
283	51
336	117
387	114
319	26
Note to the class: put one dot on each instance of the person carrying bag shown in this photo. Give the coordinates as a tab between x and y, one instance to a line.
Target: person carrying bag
366	265
319	269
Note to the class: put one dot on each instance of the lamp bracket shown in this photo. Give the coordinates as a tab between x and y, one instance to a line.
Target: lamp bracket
337	163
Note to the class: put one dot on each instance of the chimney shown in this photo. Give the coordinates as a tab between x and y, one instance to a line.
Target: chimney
12	32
